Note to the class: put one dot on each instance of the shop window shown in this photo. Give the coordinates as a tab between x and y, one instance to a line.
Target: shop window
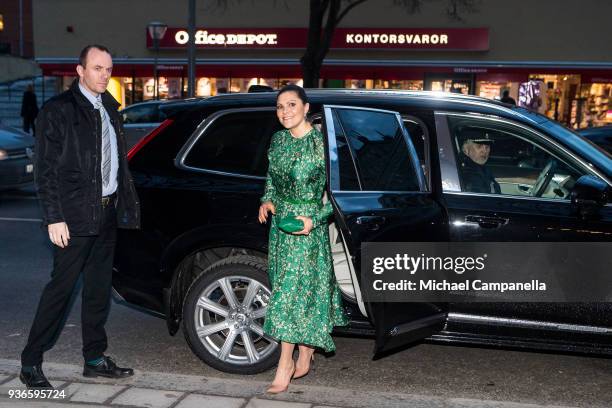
408	85
222	85
173	88
271	82
355	84
557	93
204	87
148	91
286	81
448	85
594	106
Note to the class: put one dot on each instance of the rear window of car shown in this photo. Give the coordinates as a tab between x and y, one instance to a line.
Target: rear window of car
158	154
235	143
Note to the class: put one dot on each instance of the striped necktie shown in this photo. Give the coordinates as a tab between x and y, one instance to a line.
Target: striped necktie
106	145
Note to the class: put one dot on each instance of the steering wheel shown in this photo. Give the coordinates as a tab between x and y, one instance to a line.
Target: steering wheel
544	178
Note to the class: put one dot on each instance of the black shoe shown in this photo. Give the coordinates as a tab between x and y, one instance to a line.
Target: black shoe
107	368
35	379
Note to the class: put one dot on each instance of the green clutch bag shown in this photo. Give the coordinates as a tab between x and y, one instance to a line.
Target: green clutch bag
290	224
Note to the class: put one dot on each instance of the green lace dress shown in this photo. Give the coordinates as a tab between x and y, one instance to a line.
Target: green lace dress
305	303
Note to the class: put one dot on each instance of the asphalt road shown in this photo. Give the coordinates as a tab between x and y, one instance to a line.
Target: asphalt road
141	341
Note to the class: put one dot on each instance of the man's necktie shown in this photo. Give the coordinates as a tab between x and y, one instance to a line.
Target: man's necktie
106	145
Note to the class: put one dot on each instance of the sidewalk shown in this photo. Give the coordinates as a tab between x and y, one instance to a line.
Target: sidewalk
162	390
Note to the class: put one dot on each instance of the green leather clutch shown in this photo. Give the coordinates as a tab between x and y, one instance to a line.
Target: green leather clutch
290	224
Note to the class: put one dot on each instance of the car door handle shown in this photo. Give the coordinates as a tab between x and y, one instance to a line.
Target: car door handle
372	222
486	222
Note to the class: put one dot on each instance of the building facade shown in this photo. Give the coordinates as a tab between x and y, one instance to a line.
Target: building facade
551	55
16	28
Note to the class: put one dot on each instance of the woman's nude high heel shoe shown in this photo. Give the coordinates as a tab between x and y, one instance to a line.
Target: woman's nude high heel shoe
303	373
277	388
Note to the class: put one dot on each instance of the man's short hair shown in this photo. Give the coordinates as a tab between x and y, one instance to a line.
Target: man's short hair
85	51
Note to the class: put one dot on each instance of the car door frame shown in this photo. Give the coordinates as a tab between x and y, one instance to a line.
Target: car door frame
429	318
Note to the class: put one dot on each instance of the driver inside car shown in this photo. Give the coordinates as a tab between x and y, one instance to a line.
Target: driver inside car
475	151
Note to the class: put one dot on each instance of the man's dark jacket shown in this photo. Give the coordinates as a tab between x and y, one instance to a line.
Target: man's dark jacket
477	178
29	107
67	164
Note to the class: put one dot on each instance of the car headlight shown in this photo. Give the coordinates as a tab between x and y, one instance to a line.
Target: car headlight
3	154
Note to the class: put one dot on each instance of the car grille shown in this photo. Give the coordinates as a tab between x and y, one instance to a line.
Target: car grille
17	153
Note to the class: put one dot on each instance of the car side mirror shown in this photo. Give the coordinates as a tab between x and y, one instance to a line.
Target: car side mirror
589	195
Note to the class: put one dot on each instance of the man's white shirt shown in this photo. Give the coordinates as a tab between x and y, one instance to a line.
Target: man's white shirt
112	184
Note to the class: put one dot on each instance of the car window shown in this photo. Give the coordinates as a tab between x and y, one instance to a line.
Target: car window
161	115
141	114
499	158
420	140
348	175
375	142
346	165
236	143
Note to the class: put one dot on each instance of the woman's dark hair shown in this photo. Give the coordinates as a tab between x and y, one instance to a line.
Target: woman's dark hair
294	88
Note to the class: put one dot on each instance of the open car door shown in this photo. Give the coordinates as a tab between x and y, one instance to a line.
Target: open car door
379	194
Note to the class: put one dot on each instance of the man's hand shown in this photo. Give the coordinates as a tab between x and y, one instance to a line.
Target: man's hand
307	225
58	234
263	211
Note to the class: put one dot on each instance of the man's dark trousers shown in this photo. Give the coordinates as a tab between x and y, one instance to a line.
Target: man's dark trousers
92	256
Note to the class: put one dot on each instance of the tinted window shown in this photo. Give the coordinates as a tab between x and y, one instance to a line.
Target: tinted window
141	114
379	149
348	175
236	143
159	153
499	158
418	136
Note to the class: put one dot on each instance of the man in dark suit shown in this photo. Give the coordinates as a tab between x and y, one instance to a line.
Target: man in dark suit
86	192
29	109
476	177
506	98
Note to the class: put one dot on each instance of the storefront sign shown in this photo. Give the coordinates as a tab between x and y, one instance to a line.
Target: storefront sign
204	38
430	39
597	79
470	70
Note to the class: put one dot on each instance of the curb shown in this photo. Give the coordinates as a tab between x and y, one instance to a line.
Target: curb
250	392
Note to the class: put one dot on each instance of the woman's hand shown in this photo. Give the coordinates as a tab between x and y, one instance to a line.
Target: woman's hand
263	211
307	225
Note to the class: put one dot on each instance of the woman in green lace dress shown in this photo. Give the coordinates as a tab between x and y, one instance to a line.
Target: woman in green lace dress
305	303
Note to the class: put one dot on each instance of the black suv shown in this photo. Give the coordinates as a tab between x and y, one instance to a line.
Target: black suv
394	175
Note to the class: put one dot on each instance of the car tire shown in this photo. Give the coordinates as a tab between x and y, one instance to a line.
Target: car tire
233	343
